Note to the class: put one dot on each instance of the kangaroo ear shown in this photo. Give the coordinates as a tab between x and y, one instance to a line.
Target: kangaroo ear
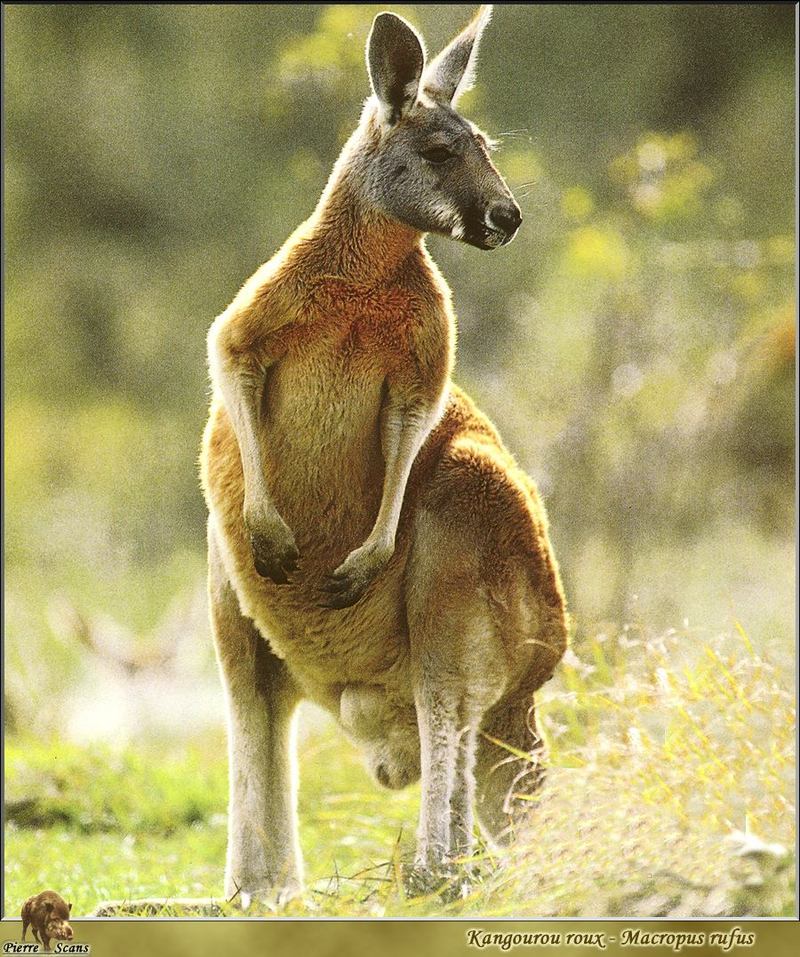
395	60
69	907
452	72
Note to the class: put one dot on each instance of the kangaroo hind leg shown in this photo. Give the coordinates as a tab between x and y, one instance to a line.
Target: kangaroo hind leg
510	756
459	672
263	858
509	768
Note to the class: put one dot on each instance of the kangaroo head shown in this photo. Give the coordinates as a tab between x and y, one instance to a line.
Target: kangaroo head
429	167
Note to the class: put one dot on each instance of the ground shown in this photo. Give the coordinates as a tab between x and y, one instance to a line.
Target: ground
670	793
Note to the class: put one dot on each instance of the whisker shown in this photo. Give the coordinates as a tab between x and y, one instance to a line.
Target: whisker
504	138
537	204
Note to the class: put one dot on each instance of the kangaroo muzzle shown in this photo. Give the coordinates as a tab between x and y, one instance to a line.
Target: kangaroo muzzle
494	226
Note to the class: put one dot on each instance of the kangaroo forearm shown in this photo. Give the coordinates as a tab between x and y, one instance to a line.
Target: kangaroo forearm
405	431
241	381
243	401
405	424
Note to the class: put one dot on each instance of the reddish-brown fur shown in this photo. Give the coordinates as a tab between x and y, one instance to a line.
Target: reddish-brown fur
390	324
463	471
47	914
461	615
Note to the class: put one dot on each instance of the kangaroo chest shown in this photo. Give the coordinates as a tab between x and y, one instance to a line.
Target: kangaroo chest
322	420
323	398
322	446
324	465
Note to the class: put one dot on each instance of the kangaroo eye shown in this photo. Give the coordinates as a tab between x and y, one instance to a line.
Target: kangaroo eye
437	155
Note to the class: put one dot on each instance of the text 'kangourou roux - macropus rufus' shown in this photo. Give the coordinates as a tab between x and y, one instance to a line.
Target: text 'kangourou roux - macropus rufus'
373	547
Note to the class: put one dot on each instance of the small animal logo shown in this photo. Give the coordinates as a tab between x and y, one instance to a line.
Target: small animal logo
48	916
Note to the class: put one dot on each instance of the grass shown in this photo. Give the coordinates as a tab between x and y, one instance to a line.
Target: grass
670	783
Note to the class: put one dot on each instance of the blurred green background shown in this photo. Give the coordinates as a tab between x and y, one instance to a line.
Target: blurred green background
635	344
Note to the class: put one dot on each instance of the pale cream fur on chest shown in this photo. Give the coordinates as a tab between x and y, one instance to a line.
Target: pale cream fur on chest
322	454
325	467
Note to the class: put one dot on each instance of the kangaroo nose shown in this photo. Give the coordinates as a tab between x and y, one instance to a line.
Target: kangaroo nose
505	216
